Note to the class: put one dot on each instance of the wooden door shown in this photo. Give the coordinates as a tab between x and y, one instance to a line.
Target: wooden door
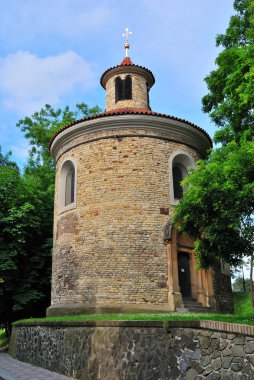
184	274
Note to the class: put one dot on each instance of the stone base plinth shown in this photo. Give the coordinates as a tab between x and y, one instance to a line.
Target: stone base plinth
83	308
175	300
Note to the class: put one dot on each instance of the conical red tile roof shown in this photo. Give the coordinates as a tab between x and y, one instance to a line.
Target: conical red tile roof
126	62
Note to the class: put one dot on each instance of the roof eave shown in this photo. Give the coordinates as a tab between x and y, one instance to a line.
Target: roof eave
127	69
129	111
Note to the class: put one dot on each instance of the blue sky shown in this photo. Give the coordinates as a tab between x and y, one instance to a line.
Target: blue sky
55	52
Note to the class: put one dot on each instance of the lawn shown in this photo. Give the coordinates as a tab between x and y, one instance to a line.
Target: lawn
242	303
244	314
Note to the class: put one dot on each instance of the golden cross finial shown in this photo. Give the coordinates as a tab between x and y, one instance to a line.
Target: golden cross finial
126	34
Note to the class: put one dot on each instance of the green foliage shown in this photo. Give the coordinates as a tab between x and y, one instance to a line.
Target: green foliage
26	217
3	339
242	303
25	243
218	206
41	127
230	101
238	284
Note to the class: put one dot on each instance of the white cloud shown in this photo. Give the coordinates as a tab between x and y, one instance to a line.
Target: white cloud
25	20
27	81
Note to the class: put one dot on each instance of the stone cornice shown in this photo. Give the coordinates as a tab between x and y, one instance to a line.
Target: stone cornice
154	126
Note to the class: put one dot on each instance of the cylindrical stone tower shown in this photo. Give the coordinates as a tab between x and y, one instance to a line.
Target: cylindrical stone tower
117	181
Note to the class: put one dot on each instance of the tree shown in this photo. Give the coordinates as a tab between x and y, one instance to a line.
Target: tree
238	284
251	280
230	101
42	125
26	218
24	245
218	206
238	272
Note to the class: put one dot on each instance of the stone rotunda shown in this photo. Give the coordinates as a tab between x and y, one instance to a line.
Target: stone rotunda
118	180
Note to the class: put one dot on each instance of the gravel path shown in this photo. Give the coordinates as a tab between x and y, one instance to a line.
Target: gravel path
11	369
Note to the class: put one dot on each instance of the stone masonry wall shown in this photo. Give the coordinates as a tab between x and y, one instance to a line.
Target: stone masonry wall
139	93
109	249
138	350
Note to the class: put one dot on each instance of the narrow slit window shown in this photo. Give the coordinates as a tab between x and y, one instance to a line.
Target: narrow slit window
127	88
69	187
147	94
119	89
177	179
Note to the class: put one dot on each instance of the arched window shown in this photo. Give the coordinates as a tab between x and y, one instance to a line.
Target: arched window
179	163
67	186
127	88
119	89
123	88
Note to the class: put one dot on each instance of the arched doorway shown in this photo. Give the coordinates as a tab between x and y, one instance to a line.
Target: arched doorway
184	274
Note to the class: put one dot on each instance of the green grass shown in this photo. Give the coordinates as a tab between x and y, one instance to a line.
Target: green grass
233	318
242	303
244	314
148	317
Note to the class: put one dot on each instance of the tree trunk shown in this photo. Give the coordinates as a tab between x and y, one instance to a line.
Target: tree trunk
251	281
244	285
